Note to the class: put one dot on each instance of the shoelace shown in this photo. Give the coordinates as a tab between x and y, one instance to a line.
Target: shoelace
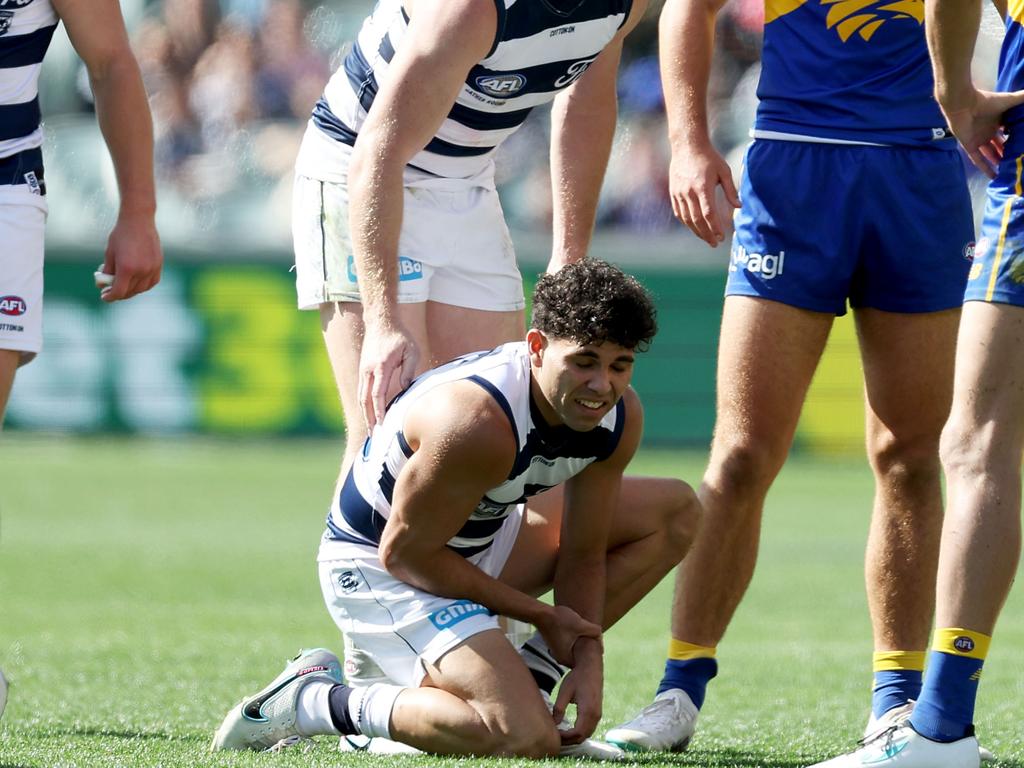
887	734
290	741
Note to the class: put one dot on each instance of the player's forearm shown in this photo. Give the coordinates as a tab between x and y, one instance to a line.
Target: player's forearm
581	142
686	33
375	221
952	28
580	584
122	111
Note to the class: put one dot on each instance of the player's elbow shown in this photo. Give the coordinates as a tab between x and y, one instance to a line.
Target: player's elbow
398	554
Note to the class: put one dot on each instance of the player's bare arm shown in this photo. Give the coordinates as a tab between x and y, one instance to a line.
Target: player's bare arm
686	34
583	121
445	38
463	446
97	32
975	116
590	501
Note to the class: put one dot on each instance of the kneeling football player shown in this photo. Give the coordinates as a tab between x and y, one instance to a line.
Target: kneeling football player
490	480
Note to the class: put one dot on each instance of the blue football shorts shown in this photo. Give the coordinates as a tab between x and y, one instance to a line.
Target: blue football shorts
889	228
998	271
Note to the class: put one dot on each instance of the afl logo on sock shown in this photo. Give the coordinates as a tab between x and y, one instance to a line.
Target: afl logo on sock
963	644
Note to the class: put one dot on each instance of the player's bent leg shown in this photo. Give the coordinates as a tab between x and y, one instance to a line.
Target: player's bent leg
768	352
655	522
908	373
478	699
9	361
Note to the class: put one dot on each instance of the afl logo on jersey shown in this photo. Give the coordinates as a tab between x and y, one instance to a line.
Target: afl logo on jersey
12	306
501	85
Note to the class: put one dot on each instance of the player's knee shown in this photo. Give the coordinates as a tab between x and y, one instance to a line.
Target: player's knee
681	518
744	466
905	461
526	737
972	451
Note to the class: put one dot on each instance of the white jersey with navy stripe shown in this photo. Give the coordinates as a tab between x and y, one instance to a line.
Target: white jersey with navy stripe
26	27
545	456
541	47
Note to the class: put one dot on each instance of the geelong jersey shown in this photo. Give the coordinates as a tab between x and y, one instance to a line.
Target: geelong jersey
26	27
1011	62
849	70
545	455
541	47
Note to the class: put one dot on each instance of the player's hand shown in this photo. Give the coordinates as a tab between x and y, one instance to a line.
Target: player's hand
694	175
133	257
562	628
976	121
584	686
386	367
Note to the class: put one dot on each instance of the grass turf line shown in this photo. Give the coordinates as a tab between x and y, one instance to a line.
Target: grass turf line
146	585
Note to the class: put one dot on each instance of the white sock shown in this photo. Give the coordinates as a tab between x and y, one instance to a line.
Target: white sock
313	710
370	708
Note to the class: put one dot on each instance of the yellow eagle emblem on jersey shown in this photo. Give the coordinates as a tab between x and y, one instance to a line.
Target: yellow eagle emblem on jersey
850	17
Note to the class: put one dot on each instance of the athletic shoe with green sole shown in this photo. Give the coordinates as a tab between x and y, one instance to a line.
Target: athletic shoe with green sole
666	725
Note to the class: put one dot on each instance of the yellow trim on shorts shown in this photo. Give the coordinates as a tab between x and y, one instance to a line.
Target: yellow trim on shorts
1007	209
682	651
891	661
958	641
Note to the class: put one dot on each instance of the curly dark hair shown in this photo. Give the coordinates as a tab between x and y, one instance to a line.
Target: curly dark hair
591	302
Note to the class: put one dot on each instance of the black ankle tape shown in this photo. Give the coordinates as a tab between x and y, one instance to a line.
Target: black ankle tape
338	701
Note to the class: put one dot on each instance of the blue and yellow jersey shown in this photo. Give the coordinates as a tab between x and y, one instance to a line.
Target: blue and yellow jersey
849	70
1011	59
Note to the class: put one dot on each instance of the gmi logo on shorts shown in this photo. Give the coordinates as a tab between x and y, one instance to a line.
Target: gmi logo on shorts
12	306
408	269
456	612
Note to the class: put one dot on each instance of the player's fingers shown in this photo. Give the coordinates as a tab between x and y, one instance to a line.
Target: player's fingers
408	369
366	397
981	163
381	378
729	187
562	701
697	222
991	158
710	216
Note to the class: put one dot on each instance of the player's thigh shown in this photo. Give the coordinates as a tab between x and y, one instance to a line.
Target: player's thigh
454	331
486	672
768	352
988	395
908	376
9	360
396	630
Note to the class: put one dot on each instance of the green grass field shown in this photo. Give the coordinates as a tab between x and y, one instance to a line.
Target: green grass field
146	585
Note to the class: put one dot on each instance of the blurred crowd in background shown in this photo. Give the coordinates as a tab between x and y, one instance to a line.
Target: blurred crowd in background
232	83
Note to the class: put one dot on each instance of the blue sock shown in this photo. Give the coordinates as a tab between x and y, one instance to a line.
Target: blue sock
689	675
894	688
945	710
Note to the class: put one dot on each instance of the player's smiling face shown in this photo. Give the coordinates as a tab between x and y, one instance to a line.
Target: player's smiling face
578	384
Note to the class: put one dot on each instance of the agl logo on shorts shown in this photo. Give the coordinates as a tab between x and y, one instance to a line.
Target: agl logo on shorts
12	306
768	265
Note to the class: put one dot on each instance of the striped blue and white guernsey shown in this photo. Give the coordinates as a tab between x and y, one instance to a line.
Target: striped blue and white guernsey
26	27
545	455
541	47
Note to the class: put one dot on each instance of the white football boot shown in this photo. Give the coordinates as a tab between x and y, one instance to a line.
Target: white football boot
903	747
900	716
265	719
666	725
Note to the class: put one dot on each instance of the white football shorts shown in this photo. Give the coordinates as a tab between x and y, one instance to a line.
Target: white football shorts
391	628
454	247
22	223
